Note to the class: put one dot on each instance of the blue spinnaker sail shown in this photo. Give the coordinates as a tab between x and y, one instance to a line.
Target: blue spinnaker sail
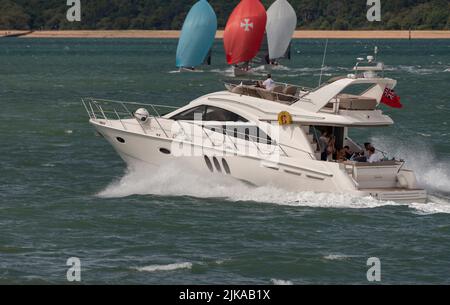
197	35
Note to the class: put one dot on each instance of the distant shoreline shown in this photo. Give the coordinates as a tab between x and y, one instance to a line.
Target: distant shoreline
175	34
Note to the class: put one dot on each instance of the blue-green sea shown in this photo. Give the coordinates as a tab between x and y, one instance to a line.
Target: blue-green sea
65	193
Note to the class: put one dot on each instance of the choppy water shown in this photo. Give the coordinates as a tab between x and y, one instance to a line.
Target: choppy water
64	192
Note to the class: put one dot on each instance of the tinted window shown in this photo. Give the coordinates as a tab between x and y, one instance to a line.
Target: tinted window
222	115
248	133
191	114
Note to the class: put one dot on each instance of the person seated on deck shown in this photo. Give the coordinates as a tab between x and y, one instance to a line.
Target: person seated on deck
347	152
268	84
363	156
373	156
340	156
367	145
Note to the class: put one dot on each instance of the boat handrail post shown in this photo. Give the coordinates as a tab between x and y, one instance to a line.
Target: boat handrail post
207	135
86	108
182	127
92	109
257	147
282	149
131	114
124	127
231	140
103	113
154	109
160	126
157	121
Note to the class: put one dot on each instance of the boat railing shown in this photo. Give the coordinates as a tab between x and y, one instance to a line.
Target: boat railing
119	110
101	108
109	110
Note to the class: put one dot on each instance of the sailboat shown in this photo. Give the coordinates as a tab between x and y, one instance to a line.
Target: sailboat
281	24
244	34
197	37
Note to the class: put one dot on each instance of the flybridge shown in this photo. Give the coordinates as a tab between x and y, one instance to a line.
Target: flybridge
327	98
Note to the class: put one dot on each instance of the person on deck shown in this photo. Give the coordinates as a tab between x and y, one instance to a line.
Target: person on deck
269	84
340	156
323	144
363	156
373	156
331	148
347	153
367	145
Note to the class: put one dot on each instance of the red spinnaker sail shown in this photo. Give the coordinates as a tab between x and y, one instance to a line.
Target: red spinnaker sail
244	31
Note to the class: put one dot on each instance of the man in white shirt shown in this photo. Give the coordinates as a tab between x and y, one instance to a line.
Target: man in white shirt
269	84
373	156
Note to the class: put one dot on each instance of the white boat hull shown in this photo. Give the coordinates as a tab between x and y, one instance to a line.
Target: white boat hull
292	175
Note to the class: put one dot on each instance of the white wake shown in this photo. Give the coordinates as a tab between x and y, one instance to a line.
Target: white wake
176	180
432	174
169	267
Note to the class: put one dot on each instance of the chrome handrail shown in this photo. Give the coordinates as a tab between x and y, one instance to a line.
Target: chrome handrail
126	113
90	104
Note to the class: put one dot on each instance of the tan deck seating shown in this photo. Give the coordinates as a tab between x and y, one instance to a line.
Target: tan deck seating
277	94
290	90
267	95
354	102
251	91
278	89
238	90
245	90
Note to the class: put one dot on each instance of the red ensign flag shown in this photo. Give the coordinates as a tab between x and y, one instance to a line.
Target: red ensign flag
391	99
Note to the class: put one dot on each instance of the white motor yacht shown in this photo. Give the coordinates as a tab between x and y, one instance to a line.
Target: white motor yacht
266	137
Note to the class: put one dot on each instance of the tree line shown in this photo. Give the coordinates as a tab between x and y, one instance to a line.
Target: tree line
170	14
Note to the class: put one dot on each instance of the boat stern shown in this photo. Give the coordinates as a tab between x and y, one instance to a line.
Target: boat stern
397	195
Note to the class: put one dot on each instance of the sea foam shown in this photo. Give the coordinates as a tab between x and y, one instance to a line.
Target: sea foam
169	267
175	179
281	282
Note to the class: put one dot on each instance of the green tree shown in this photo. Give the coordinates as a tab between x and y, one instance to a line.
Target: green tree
13	16
170	14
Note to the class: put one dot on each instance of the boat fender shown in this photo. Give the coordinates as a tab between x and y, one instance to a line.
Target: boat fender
141	115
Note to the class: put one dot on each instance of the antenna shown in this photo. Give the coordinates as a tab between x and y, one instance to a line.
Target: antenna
323	62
